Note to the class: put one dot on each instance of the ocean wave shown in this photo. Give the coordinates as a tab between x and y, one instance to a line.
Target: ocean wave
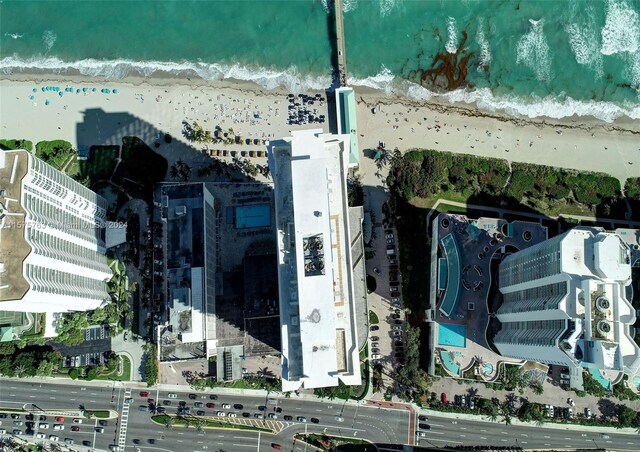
621	31
386	6
452	38
485	49
49	39
289	78
485	100
14	35
533	51
584	41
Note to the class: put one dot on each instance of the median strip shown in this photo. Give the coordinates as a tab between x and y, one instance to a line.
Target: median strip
198	423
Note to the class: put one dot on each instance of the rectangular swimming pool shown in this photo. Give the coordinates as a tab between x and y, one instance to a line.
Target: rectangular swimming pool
253	216
452	335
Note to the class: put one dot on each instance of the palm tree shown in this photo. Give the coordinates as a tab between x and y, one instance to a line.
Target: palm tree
493	412
506	414
169	422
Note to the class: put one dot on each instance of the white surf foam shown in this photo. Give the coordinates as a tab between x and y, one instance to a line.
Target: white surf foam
533	51
483	43
452	38
621	31
14	35
584	40
289	78
386	6
49	39
485	100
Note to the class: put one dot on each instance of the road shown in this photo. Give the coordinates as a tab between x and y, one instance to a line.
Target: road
380	425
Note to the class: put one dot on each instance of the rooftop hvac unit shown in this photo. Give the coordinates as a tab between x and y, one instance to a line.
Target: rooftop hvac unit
603	327
602	304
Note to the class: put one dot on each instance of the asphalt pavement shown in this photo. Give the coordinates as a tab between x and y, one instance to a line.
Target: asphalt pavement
334	417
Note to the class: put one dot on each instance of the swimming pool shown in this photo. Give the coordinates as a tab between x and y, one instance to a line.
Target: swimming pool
447	362
488	368
253	216
597	375
452	335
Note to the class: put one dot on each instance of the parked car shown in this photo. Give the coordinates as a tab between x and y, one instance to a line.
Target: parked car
375	356
395	316
213	397
424	426
77	421
288	418
301	419
374	328
375	345
43	425
374	338
397	333
75	428
388	236
238	406
200	413
571	402
395	300
587	412
422	417
443	397
375	350
272	416
41	436
59	419
245	414
339	419
221	414
398	343
233	414
53	438
58	427
472	402
396	328
99	429
421	434
144	394
226	406
193	396
211	405
171	395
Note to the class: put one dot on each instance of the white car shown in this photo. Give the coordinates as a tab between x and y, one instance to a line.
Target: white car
77	421
41	436
396	328
3	431
226	406
340	419
171	395
397	333
43	425
233	414
221	414
375	356
420	434
58	427
53	438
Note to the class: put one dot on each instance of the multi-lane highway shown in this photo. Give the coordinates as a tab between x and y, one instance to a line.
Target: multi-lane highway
334	417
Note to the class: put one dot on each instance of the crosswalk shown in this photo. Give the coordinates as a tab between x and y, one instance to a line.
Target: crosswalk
124	419
273	425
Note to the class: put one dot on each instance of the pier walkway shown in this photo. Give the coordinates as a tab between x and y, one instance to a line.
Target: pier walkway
342	54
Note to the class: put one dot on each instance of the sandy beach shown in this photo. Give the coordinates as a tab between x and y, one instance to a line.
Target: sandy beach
152	106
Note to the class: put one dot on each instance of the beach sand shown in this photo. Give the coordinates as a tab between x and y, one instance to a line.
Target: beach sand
150	107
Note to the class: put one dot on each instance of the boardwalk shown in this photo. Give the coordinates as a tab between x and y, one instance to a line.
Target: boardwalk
342	54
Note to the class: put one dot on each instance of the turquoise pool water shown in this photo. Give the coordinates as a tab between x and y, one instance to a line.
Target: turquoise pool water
604	382
488	368
452	335
253	216
636	381
449	364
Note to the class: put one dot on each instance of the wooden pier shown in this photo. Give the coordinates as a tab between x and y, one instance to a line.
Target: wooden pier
342	54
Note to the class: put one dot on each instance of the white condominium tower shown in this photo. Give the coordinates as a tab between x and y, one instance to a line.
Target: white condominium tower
317	304
567	302
51	239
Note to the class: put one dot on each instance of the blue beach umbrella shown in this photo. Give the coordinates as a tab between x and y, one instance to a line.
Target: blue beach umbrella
46	102
78	91
115	91
84	90
94	90
60	94
32	97
34	90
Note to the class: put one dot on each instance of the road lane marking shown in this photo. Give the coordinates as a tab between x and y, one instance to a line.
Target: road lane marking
446	441
482	437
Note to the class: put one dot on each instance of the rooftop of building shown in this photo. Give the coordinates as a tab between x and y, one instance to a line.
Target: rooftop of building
315	254
14	248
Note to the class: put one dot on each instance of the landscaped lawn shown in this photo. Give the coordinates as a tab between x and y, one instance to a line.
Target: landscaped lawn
181	422
373	318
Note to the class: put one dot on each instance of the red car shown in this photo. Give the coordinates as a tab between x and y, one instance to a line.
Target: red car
443	397
144	394
75	428
211	405
151	401
59	419
276	446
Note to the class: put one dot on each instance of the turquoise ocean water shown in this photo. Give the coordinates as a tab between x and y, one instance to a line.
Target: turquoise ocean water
548	57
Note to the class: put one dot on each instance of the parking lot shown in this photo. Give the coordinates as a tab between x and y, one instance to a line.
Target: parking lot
386	338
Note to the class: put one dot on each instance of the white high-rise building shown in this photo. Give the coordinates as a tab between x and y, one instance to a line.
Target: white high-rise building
52	240
315	277
567	302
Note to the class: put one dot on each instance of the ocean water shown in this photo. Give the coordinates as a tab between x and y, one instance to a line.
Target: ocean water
528	57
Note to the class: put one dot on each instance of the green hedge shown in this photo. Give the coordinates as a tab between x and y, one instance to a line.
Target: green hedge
55	152
16	144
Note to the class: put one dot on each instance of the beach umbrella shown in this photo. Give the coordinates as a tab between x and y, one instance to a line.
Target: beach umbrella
115	91
32	97
35	90
46	102
60	94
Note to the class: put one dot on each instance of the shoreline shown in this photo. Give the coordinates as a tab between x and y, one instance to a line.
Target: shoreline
161	78
252	111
